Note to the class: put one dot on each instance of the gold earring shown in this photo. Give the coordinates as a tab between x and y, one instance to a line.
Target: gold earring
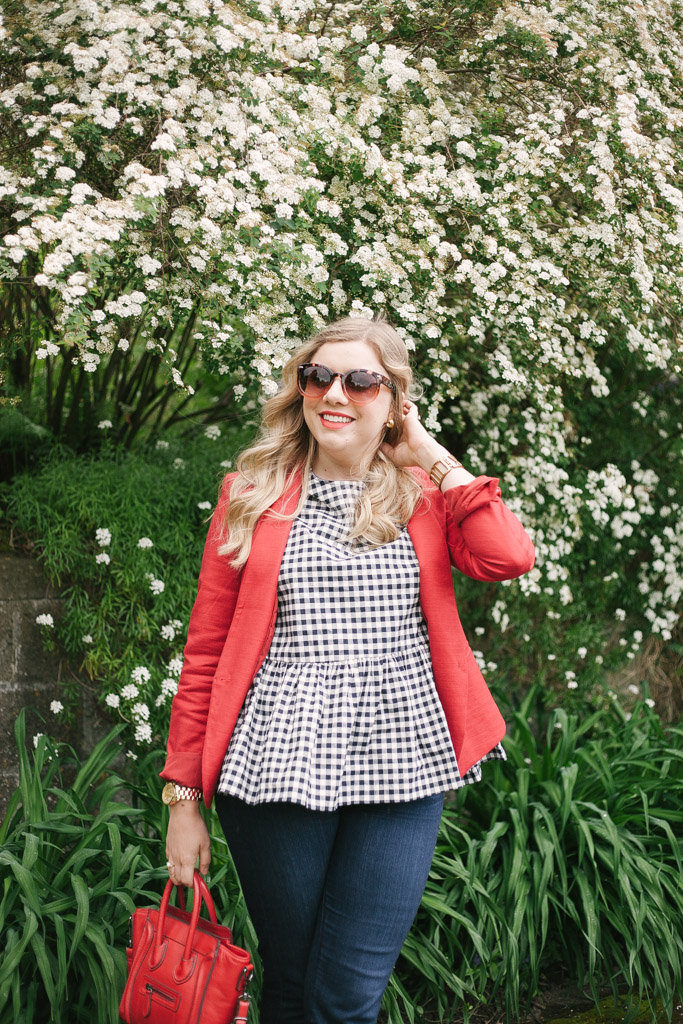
389	424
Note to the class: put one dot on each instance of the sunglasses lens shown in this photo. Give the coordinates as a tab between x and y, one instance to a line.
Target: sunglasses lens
361	386
314	381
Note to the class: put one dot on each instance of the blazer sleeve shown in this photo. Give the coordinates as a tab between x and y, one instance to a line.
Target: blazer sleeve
210	621
485	538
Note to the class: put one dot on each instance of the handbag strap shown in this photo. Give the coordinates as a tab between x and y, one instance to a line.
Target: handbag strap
208	899
201	892
206	896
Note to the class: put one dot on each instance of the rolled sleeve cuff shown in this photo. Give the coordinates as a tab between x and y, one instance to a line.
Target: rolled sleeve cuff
464	499
185	769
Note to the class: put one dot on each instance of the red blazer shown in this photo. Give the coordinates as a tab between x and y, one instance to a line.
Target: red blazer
233	619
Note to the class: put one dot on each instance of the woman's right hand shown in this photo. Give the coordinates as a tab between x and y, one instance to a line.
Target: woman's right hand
187	838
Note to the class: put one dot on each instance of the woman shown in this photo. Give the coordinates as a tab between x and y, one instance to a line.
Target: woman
328	697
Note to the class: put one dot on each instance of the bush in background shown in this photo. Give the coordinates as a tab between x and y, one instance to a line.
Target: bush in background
122	535
188	191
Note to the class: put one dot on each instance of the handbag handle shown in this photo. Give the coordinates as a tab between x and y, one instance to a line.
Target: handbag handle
201	892
205	893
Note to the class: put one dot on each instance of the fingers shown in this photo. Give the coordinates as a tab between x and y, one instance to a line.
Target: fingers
181	873
204	856
187	839
184	875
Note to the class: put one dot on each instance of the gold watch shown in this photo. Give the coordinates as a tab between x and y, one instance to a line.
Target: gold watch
442	467
172	793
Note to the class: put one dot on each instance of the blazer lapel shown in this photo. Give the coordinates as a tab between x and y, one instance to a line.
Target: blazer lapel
250	630
258	590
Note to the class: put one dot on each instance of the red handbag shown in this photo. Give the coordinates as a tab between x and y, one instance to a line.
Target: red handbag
183	968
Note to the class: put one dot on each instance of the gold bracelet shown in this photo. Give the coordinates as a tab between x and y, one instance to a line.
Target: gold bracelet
442	467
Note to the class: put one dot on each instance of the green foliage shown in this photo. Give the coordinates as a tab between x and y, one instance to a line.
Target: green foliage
80	849
22	442
118	630
569	854
115	626
565	857
72	866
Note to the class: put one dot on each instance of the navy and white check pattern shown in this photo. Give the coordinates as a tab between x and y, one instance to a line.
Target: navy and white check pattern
344	708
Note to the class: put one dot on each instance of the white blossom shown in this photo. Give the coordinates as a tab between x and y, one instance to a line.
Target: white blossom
169	686
168	630
143	733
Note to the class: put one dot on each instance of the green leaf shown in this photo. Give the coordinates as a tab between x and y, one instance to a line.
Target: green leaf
590	917
82	913
25	880
43	964
12	957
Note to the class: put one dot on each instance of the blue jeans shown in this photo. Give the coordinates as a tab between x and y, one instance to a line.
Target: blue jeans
332	896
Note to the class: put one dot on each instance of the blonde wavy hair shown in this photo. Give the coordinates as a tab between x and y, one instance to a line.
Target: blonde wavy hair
284	444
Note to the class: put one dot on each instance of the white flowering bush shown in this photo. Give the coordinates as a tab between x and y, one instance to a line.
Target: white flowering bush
188	189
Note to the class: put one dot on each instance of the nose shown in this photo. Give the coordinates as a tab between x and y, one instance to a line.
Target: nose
336	392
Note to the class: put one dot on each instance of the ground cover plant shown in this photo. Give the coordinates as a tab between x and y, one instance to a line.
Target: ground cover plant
121	536
80	847
568	855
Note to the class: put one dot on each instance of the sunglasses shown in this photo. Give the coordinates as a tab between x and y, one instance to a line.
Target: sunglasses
360	386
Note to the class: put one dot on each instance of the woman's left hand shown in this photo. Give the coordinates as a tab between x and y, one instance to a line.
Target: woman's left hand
413	437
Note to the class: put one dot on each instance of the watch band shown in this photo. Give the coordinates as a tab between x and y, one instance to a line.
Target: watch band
442	467
172	793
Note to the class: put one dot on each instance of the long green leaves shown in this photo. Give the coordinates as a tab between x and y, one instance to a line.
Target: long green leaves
76	858
72	867
568	856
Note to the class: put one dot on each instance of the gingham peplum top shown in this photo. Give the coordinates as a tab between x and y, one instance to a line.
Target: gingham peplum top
344	708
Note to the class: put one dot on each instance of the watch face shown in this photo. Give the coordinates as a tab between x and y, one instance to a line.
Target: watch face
168	793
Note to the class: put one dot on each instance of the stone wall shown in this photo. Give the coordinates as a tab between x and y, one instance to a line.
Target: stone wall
31	677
